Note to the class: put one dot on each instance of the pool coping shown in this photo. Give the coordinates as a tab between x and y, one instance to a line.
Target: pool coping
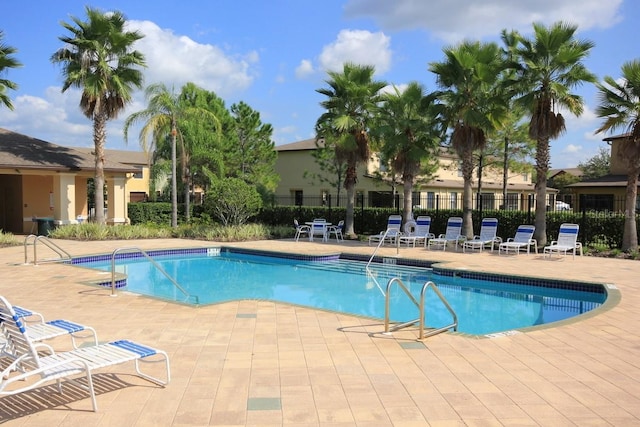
613	295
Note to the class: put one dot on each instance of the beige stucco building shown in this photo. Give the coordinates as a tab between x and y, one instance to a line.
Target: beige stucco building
607	193
41	180
303	182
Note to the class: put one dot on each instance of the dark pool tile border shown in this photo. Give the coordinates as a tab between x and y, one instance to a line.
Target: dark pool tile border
522	280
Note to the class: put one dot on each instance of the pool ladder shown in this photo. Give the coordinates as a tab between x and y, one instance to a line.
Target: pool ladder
420	304
154	263
63	255
373	255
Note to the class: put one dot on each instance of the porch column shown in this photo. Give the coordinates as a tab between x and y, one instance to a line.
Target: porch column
117	200
64	198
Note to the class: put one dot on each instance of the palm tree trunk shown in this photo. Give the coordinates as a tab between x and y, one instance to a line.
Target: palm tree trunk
187	194
407	198
99	138
350	186
505	173
542	168
630	235
174	182
467	194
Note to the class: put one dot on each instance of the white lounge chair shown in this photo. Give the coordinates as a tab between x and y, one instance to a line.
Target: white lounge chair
336	230
420	234
301	230
567	241
487	236
522	240
39	330
31	367
451	235
391	233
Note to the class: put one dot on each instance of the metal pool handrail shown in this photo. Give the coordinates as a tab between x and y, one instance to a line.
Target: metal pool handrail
64	255
420	305
368	270
153	262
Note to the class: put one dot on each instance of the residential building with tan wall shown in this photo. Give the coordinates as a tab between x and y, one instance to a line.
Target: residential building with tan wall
297	168
41	180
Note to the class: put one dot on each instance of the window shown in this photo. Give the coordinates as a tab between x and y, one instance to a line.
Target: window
431	200
325	198
511	202
488	200
460	169
525	176
137	174
297	195
453	200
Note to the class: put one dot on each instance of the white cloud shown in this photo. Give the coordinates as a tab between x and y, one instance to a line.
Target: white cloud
175	60
571	148
304	69
454	20
359	47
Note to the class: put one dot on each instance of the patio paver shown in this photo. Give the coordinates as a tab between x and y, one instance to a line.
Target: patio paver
263	363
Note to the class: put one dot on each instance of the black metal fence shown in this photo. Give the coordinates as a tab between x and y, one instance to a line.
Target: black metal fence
601	218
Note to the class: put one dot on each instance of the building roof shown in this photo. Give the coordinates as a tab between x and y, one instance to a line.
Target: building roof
307	144
603	181
24	152
126	157
577	172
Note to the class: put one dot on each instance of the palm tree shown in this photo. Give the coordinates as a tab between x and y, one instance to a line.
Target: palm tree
474	104
409	129
98	58
164	113
7	61
551	66
352	98
620	107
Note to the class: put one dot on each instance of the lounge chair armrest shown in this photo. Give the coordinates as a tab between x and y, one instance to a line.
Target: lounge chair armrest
498	240
430	236
510	239
441	236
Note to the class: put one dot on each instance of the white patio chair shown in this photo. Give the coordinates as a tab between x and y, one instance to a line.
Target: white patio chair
32	367
420	234
452	234
487	236
391	233
301	229
336	230
522	240
567	241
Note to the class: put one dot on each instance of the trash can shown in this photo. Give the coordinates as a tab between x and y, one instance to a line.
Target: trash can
45	225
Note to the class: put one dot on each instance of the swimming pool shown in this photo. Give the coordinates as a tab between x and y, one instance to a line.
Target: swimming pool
484	303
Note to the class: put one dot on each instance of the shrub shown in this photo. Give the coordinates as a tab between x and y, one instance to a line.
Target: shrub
232	201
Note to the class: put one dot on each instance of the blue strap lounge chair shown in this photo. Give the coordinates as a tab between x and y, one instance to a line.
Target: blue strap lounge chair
453	234
36	364
522	240
567	241
488	236
420	234
391	233
38	330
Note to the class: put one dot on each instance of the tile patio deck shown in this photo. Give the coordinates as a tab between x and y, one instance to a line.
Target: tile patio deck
262	363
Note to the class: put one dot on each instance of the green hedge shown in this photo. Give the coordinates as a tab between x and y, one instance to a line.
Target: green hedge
595	228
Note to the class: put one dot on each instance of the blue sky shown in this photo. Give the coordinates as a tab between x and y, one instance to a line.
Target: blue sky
274	54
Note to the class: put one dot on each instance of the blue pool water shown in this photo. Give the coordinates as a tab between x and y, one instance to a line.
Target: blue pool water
482	306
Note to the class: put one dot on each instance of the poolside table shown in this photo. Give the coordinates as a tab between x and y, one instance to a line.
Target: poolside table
319	228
